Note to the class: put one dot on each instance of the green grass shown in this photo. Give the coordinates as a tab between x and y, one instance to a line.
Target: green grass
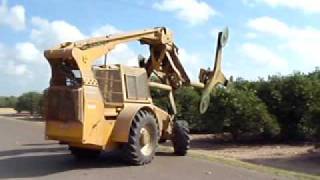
246	165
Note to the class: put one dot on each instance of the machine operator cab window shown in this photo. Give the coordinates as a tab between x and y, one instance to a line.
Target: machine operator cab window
65	73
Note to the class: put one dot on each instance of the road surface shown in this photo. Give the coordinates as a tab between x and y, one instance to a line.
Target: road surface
24	154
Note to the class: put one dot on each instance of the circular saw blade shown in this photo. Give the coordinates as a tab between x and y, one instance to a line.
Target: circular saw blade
224	37
204	103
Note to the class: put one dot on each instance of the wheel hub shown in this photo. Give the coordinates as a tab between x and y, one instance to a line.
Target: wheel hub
145	141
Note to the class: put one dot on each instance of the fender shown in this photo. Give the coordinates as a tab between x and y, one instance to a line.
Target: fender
121	129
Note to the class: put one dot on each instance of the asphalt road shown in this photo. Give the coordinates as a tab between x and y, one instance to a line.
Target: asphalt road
25	154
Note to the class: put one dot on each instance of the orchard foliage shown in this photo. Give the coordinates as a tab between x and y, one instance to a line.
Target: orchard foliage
279	107
8	102
31	102
282	107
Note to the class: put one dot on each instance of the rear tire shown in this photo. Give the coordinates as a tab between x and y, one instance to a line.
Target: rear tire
180	138
81	153
143	139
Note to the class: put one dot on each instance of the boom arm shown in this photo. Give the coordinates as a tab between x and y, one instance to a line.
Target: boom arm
163	60
163	53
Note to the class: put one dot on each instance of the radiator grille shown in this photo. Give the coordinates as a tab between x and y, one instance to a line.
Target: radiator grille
110	85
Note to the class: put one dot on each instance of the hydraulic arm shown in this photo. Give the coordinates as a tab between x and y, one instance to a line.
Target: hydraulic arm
163	60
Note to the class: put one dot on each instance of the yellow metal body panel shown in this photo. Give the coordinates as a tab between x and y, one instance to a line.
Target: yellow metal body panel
93	115
69	132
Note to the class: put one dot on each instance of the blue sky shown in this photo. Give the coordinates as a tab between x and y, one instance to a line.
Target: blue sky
266	36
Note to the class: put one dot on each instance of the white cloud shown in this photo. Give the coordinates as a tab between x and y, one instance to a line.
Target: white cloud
263	56
250	3
215	31
300	41
12	16
251	35
13	62
13	68
122	53
308	6
190	61
25	59
46	34
191	11
2	50
24	52
188	58
269	25
27	52
106	30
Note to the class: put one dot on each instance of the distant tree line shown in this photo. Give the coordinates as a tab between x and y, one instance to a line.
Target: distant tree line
278	108
8	102
30	102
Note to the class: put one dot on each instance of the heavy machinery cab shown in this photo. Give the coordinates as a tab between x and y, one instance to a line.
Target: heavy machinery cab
65	94
70	101
118	84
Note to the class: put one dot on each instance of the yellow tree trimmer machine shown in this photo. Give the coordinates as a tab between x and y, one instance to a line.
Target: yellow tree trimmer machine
100	108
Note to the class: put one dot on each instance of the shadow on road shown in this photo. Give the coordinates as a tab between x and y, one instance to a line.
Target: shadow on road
26	163
168	154
40	144
16	152
37	162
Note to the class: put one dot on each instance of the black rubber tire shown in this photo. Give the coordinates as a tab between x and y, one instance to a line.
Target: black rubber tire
81	153
132	149
180	138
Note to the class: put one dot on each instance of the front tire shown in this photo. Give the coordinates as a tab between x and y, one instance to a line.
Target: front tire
143	139
180	138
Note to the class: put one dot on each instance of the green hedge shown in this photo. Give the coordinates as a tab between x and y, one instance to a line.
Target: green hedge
285	107
31	102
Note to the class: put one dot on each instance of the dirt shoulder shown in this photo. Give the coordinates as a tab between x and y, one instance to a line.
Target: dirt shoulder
301	157
7	111
11	113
